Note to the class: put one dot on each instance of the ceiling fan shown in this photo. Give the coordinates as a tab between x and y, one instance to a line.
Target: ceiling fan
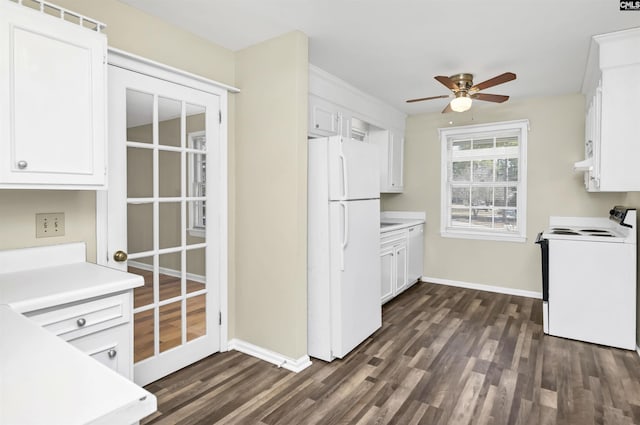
464	90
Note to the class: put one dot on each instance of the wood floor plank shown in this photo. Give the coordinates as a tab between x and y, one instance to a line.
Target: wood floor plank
444	356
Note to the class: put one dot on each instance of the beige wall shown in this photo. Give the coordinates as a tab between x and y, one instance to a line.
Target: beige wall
555	142
271	188
18	209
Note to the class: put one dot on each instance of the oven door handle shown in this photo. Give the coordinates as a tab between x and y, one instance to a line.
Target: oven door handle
544	248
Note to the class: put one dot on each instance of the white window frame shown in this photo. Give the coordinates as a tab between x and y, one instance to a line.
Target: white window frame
520	128
196	215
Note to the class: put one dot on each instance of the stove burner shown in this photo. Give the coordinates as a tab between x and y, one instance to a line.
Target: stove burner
564	229
606	235
564	232
594	231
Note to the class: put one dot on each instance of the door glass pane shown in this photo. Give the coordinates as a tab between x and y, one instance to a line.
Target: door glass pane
196	323
140	227
169	174
139	173
196	214
169	280
170	325
143	330
170	225
142	295
196	269
195	118
139	117
169	117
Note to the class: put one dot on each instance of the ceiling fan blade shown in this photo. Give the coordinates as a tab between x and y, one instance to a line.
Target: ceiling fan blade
498	98
447	82
502	78
427	98
447	109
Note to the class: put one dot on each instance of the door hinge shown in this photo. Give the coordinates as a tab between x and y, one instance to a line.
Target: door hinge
220	318
220	116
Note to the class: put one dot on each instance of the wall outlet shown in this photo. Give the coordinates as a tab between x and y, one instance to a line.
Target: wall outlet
49	224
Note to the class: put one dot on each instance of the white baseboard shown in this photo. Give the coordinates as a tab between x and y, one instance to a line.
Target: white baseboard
270	356
169	272
482	287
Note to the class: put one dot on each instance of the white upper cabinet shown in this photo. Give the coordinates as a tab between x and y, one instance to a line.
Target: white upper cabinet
334	107
52	99
327	119
391	144
612	128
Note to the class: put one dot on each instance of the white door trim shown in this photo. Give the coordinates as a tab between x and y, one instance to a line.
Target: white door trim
154	69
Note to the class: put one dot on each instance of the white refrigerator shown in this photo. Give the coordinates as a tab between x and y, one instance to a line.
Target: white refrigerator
343	252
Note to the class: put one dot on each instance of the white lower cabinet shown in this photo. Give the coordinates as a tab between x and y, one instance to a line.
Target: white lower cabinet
415	243
401	260
393	260
100	327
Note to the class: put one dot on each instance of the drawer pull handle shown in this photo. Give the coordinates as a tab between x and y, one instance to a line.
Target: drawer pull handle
22	164
81	322
112	353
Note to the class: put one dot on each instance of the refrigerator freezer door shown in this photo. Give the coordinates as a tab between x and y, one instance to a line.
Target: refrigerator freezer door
354	170
356	312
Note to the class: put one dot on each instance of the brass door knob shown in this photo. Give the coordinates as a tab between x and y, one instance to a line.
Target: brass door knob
120	256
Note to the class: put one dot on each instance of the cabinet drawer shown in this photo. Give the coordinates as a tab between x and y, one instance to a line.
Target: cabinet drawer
110	347
393	237
74	320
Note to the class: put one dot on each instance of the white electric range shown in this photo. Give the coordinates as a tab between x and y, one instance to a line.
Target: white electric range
589	278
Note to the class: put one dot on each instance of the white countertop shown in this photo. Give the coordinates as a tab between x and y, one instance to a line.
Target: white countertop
44	379
397	220
30	290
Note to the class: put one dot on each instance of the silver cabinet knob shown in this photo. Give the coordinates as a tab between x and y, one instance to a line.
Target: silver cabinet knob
112	353
81	322
22	165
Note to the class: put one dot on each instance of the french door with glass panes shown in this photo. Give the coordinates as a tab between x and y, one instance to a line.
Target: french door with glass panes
163	215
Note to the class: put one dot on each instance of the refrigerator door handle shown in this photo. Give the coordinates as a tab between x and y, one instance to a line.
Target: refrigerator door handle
345	238
345	185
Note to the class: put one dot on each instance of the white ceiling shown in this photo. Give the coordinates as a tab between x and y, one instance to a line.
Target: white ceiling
392	49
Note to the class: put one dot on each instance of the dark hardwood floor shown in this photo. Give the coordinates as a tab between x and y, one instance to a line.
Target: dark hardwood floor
444	355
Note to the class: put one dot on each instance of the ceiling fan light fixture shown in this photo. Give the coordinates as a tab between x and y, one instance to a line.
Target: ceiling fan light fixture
462	102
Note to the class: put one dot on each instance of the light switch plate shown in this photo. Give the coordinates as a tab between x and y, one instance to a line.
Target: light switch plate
49	225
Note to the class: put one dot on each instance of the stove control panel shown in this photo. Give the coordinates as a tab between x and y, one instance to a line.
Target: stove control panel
622	215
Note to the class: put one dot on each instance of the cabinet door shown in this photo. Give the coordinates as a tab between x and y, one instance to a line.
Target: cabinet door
401	268
387	278
396	161
52	112
416	253
323	118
